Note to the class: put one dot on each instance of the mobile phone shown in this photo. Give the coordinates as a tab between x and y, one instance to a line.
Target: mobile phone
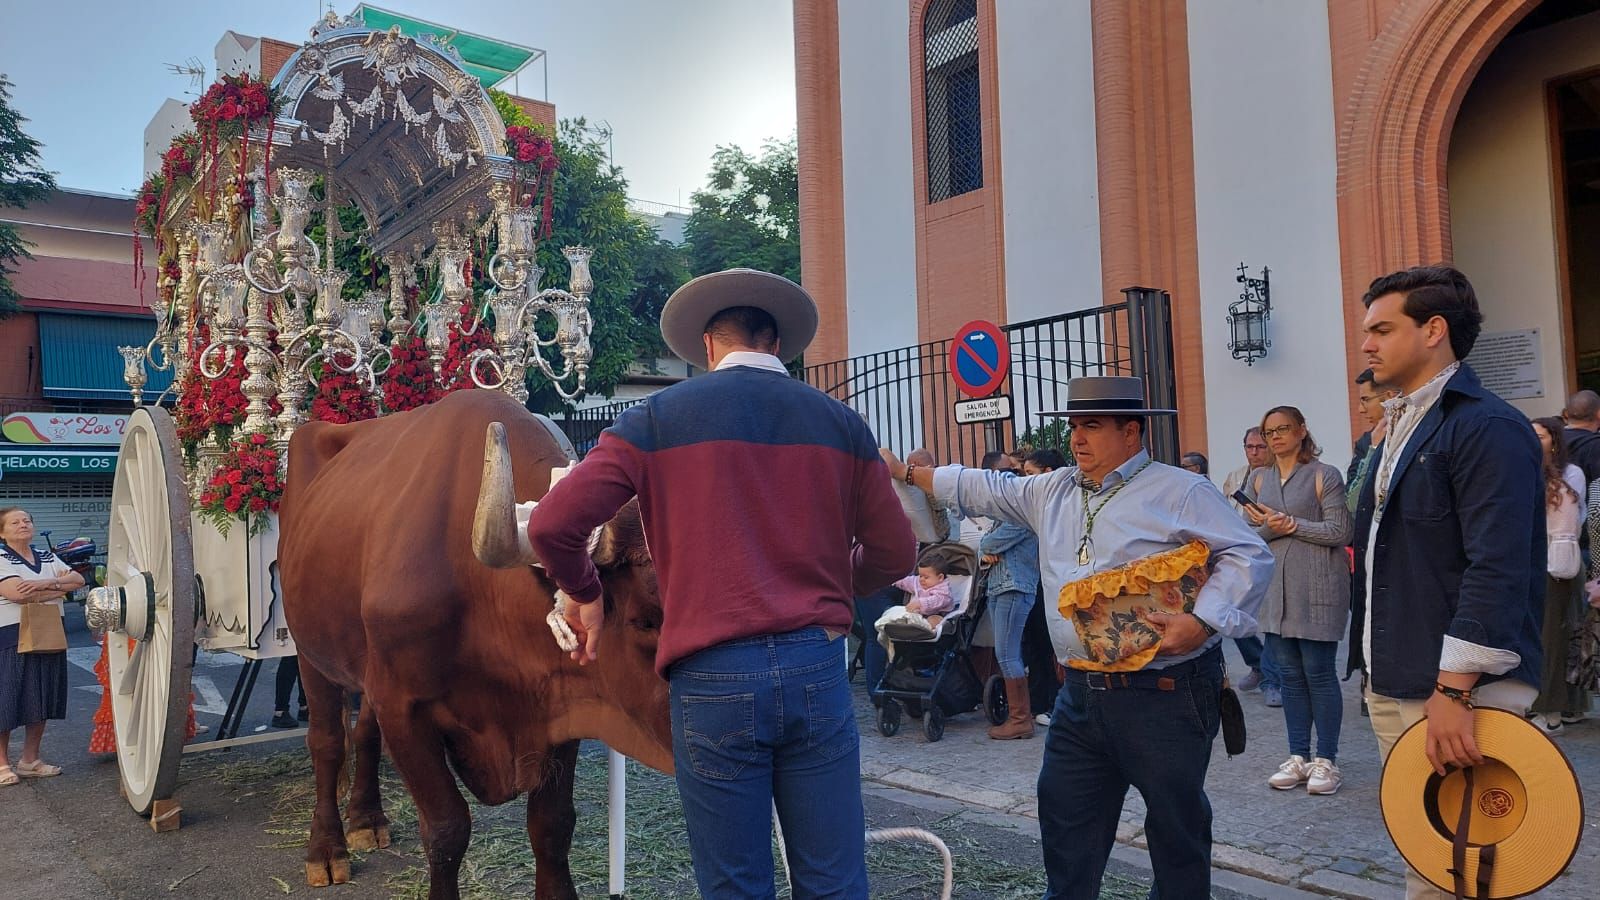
1243	499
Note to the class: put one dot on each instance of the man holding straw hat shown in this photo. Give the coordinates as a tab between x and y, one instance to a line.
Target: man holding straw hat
1449	533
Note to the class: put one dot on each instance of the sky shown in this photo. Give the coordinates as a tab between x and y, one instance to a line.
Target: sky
673	78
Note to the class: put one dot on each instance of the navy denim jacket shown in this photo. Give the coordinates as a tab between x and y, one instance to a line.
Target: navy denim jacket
1461	546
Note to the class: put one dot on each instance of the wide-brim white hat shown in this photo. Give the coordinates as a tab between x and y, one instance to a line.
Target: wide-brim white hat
684	317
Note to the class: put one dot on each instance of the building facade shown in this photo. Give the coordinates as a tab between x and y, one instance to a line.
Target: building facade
63	403
1015	159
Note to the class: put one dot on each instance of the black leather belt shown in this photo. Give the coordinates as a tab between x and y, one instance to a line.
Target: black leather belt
1166	679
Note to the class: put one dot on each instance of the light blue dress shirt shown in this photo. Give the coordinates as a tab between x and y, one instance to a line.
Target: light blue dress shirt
1162	509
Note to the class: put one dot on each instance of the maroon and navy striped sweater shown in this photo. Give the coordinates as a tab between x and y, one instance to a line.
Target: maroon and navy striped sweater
765	505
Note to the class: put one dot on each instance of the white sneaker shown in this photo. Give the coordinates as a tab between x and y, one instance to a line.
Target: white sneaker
1549	723
1323	777
1042	719
1291	774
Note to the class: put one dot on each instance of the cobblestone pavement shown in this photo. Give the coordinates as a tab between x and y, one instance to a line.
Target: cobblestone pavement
1332	845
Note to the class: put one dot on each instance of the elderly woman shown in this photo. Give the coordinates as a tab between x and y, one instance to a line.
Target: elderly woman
1299	511
33	686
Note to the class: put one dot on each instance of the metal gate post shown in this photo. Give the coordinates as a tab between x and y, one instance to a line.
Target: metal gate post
1150	357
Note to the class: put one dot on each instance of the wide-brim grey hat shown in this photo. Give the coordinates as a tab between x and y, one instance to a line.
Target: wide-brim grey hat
1107	395
684	317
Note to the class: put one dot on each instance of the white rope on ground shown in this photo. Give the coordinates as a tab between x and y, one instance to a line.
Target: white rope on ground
878	836
882	835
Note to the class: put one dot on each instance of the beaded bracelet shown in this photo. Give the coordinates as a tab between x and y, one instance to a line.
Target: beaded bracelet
1458	695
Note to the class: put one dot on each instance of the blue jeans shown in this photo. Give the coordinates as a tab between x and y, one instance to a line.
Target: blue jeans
1259	656
1159	741
1310	693
874	658
762	720
1008	610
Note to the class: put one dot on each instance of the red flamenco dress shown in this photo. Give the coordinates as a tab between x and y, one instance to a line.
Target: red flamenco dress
104	737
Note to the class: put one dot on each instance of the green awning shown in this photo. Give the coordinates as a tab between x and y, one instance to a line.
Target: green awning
489	60
81	361
22	459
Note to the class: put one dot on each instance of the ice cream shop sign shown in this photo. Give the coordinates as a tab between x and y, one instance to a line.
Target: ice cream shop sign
63	428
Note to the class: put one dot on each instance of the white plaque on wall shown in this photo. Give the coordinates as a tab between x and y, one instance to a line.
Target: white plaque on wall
1509	363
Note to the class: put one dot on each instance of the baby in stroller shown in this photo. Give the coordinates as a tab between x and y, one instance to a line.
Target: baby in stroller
929	589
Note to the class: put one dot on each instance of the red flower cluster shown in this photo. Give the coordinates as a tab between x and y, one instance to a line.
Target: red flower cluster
181	157
205	403
245	486
453	371
233	98
409	381
231	106
342	397
536	162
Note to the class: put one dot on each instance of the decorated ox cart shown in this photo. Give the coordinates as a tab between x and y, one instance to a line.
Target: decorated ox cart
358	237
271	309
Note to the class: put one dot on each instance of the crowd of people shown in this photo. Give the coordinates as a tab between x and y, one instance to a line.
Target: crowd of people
1450	556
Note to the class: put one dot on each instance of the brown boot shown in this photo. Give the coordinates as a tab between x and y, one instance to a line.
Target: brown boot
1019	724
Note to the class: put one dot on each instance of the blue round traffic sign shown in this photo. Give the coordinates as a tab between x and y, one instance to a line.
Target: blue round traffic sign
980	358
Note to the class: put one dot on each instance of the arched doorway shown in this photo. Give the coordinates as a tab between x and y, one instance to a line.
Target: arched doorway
1402	76
1523	176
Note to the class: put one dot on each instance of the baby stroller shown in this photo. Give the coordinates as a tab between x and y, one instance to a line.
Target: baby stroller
930	673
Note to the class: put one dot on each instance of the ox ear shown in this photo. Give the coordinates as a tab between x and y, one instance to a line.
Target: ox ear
620	541
496	539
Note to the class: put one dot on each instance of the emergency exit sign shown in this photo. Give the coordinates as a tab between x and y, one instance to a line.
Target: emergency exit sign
985	409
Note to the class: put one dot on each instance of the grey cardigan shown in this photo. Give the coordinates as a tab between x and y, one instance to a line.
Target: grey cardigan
1309	596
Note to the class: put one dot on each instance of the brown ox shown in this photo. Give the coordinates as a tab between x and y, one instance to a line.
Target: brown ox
460	671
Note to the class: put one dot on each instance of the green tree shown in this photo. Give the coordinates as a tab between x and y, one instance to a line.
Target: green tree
633	274
21	182
749	212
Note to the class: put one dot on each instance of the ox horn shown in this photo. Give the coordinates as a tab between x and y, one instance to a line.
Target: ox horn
496	539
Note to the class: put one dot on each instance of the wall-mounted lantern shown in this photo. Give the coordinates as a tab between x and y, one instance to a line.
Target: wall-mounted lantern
1247	317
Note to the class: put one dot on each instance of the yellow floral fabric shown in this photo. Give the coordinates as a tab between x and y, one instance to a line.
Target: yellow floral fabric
1108	608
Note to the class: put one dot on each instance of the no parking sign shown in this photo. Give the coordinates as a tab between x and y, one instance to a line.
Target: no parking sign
980	357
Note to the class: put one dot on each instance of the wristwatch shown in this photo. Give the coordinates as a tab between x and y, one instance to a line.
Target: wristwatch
1210	632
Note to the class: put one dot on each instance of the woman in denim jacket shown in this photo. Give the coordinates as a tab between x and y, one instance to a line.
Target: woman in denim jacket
1012	552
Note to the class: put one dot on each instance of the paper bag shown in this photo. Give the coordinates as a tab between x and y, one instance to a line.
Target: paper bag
41	630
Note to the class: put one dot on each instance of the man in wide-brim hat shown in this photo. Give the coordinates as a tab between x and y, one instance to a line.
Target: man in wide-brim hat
1150	725
766	509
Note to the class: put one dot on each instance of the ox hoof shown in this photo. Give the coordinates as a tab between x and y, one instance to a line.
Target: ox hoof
364	840
335	871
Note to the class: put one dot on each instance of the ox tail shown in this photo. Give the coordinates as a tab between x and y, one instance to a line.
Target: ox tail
497	540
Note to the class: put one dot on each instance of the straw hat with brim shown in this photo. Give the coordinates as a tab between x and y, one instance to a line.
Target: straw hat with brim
684	318
1525	803
1106	395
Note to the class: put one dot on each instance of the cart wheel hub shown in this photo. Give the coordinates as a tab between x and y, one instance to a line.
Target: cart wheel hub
129	608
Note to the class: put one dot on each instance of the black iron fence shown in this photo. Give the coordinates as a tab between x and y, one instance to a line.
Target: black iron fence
908	396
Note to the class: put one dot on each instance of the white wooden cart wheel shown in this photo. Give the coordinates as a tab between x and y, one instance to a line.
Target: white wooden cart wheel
148	602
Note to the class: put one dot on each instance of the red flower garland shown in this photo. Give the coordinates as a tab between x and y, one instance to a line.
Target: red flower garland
244	486
537	162
234	101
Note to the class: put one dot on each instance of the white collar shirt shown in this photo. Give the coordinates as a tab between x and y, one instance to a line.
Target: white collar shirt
753	359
